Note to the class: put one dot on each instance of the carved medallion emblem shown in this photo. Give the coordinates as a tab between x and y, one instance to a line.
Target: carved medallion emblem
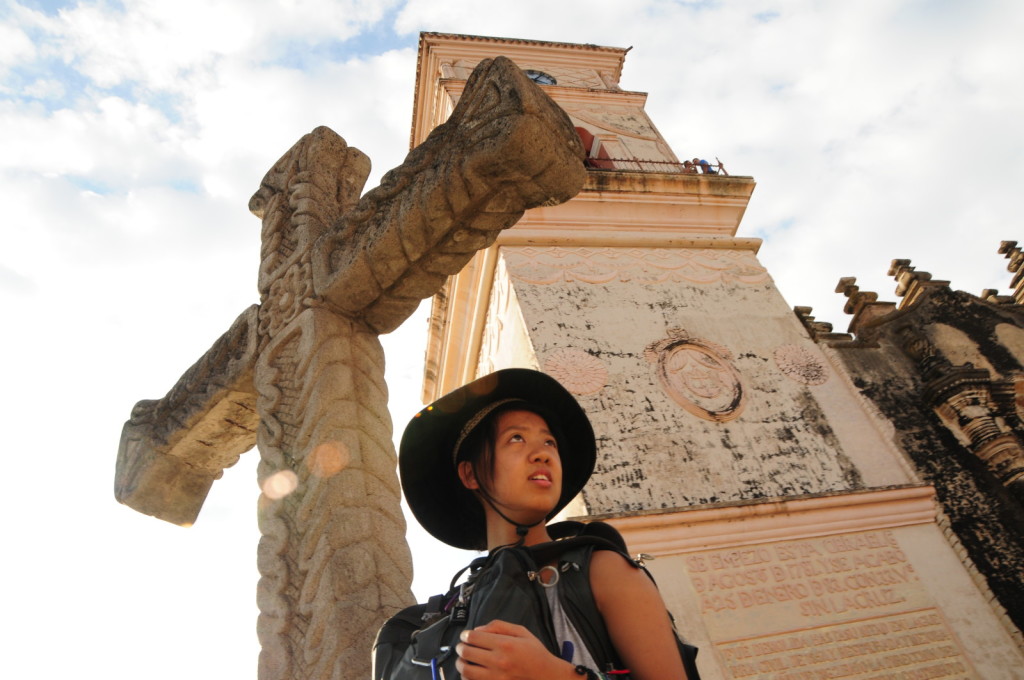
698	375
800	364
579	372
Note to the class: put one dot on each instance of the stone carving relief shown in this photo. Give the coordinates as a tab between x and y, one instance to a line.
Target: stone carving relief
302	374
579	372
201	426
801	365
544	266
698	375
306	192
286	299
967	401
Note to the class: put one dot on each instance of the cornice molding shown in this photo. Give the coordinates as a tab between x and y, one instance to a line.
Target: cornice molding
672	533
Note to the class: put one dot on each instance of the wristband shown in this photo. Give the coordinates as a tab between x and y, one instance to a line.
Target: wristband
590	674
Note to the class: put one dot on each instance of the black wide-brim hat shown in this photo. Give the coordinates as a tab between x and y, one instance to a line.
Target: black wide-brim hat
426	456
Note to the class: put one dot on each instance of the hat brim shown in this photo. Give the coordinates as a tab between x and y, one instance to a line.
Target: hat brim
446	509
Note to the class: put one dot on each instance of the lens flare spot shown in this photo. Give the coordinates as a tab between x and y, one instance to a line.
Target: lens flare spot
280	484
484	385
328	459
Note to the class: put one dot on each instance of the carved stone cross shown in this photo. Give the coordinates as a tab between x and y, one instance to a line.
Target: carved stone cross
301	375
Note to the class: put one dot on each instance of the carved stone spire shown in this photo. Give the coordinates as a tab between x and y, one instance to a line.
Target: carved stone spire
910	283
863	305
816	329
1016	266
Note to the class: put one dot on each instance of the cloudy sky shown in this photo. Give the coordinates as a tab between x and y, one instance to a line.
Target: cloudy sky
133	133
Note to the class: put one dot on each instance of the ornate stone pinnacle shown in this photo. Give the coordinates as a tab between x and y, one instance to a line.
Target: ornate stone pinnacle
1016	259
814	328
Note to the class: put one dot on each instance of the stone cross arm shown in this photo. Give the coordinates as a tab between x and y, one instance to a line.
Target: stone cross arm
173	449
506	148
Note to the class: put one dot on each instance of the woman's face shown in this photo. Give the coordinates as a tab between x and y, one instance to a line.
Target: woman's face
527	473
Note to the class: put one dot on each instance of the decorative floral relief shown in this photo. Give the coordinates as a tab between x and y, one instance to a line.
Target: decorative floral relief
543	266
579	372
800	364
698	375
288	296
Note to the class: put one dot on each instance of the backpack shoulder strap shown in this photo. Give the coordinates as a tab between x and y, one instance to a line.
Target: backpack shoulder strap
574	563
570	553
572	535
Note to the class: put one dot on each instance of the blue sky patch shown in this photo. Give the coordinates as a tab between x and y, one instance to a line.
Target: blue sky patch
51	7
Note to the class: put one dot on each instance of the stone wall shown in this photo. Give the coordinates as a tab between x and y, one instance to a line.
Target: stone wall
986	516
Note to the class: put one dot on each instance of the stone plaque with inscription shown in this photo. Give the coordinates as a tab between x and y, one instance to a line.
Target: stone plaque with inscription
845	606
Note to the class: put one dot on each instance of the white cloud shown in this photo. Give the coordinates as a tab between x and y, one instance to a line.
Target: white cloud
115	141
15	281
44	88
15	46
263	112
171	45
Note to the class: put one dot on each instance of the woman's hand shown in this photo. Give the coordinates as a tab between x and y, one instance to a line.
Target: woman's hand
506	651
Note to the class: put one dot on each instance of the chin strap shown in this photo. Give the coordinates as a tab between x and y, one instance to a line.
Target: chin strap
521	529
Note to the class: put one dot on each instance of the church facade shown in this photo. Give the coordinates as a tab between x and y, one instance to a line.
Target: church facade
945	367
803	524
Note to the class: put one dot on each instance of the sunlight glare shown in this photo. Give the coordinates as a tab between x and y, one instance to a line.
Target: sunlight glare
280	484
328	459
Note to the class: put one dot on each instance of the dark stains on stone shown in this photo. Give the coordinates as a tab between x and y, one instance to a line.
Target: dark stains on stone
751	355
785	434
605	353
986	517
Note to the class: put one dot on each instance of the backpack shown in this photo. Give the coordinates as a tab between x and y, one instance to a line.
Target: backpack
418	643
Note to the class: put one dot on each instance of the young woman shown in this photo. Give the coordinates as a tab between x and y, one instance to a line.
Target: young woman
487	466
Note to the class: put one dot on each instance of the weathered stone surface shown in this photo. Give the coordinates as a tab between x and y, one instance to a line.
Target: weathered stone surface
172	449
945	368
506	148
334	274
862	586
309	188
694	407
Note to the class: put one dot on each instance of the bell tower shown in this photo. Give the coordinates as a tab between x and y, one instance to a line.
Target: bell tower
791	534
